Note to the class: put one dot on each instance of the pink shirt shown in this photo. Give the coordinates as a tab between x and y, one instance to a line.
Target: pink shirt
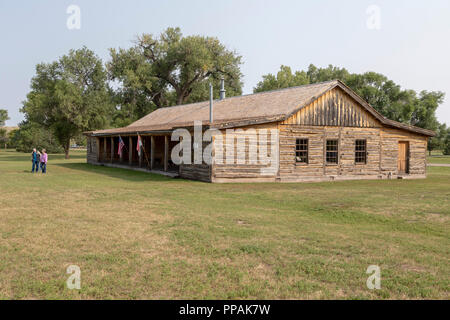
44	158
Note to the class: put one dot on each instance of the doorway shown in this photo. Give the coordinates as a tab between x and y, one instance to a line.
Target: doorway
403	157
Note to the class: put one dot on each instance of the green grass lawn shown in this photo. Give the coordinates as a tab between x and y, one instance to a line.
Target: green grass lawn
137	235
437	157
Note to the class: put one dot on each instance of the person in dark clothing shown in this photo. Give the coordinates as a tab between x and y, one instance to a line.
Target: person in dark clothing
34	161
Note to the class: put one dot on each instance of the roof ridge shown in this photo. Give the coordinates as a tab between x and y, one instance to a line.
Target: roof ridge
255	93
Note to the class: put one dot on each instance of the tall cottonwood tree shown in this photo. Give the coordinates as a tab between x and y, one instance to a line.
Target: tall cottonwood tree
169	70
69	96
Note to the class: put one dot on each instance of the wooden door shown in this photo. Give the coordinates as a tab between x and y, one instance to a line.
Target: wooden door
403	151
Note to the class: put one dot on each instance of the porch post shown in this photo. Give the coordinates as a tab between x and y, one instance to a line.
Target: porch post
104	148
98	148
166	152
152	152
112	149
130	151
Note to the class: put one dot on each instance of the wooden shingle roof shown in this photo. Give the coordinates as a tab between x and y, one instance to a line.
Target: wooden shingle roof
264	107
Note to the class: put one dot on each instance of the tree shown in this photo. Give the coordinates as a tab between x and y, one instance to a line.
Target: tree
284	79
69	96
10	138
438	142
381	93
446	148
170	70
32	135
3	137
3	133
3	117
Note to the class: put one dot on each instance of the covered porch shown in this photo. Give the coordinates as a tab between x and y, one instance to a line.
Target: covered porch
155	155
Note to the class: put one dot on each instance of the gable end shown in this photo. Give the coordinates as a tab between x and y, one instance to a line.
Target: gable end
334	108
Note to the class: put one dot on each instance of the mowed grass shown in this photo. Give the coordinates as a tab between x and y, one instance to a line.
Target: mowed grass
437	157
142	236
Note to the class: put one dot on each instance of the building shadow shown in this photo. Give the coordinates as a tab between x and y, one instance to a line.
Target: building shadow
118	173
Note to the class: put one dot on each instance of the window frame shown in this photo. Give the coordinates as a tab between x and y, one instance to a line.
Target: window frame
300	151
361	153
332	151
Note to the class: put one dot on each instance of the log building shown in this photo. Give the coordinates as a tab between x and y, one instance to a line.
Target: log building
323	131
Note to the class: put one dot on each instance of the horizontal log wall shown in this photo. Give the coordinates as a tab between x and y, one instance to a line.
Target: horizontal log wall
242	168
382	153
417	151
201	172
288	166
92	149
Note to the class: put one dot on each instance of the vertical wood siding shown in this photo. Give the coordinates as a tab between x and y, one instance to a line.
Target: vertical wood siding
334	108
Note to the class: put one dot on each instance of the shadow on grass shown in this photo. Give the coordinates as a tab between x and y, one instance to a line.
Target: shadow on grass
118	173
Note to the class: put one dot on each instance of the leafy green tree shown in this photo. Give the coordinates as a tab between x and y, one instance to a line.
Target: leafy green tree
284	79
69	96
3	133
424	113
446	148
10	138
3	137
169	70
331	72
32	135
3	117
438	142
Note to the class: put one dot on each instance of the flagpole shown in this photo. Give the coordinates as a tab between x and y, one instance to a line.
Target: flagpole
145	153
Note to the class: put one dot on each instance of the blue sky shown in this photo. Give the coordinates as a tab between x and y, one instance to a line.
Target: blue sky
411	47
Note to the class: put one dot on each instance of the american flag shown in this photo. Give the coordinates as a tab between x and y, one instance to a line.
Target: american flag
121	145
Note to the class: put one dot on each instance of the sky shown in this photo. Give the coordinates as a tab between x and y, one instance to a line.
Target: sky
405	40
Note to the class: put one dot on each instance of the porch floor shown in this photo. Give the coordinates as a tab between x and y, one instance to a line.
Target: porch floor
171	174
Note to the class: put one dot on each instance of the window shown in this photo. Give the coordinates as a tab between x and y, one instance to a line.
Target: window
332	151
301	150
360	151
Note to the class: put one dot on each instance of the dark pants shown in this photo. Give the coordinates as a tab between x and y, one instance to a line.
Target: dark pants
43	167
35	166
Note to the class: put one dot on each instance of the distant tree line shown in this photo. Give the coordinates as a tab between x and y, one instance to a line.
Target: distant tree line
79	92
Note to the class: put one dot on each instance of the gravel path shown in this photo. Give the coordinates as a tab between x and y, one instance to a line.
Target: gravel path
438	164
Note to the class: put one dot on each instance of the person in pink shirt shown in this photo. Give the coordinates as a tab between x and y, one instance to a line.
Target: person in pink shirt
44	159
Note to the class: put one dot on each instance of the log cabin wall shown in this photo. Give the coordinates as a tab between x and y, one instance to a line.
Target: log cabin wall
382	153
317	168
335	115
417	151
92	150
201	172
238	144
